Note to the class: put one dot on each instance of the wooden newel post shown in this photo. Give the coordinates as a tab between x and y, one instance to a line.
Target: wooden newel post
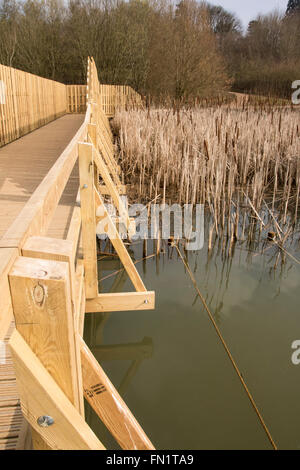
88	217
41	299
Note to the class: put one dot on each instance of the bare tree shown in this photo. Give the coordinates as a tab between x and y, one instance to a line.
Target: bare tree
9	11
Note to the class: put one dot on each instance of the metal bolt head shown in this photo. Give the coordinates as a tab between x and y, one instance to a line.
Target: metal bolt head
45	421
85	186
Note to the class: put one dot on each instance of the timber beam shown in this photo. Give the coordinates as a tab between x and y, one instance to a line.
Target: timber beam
104	191
121	302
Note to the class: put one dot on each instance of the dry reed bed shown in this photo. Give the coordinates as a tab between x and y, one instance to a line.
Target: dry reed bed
204	155
243	162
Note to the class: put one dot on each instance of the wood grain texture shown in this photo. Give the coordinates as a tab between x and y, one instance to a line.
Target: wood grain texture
40	291
24	165
121	302
76	98
30	102
36	215
41	395
113	191
38	184
109	406
7	258
60	250
74	229
119	246
88	215
105	192
80	305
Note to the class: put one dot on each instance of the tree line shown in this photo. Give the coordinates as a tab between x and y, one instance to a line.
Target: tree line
158	47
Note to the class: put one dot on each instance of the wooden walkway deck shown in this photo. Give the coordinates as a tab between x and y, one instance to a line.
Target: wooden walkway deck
23	165
25	162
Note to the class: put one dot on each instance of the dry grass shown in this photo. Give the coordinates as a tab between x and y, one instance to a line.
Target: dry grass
213	155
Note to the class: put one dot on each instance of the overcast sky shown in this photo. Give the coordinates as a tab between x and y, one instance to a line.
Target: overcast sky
249	9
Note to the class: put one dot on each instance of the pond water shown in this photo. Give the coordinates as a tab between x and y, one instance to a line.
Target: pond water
169	365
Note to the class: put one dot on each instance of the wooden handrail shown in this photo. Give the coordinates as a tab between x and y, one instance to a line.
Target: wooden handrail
36	215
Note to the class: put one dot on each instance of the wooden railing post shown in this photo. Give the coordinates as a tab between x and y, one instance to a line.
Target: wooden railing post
61	250
41	300
88	215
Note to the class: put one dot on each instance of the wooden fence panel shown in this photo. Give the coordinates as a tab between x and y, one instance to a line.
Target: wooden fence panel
115	97
27	102
76	98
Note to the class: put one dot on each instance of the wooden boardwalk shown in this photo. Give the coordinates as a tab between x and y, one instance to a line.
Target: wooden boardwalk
23	165
25	162
49	263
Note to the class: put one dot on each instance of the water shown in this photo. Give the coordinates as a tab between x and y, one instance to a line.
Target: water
170	367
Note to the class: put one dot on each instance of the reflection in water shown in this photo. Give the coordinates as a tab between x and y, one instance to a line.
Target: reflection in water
134	352
177	380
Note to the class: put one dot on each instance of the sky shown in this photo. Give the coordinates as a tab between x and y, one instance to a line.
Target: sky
247	10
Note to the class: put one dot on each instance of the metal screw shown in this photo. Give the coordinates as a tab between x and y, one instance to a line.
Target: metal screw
85	186
45	421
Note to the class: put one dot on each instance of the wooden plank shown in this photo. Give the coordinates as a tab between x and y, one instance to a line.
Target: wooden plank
119	223
41	395
24	439
120	247
48	248
25	163
41	300
82	313
80	307
92	137
8	392
123	301
38	443
35	217
31	102
109	159
92	131
7	258
109	406
75	224
60	250
104	191
88	217
123	213
53	249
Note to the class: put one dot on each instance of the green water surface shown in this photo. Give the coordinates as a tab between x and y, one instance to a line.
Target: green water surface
170	367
